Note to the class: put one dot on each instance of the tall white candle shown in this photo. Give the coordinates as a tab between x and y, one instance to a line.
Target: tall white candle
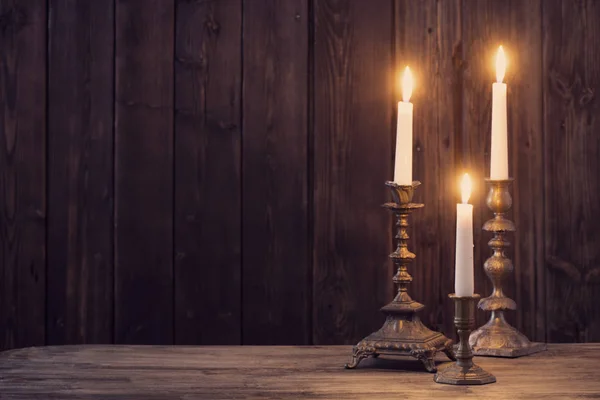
499	152
463	276
404	133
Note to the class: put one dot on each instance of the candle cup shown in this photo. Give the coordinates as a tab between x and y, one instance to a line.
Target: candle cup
464	371
497	337
403	333
402	194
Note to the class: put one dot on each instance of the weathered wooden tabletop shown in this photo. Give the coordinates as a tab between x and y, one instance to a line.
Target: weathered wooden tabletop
178	372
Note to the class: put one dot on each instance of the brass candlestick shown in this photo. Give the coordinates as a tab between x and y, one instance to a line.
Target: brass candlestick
403	333
464	371
497	337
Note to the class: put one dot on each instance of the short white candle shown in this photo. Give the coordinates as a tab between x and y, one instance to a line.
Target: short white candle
463	278
499	151
404	133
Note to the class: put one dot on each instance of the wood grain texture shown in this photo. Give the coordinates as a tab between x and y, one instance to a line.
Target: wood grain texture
22	172
161	198
571	148
524	40
353	119
207	172
80	164
275	293
162	372
516	26
428	39
144	171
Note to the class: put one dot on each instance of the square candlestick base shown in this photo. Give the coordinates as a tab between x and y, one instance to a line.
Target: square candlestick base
403	334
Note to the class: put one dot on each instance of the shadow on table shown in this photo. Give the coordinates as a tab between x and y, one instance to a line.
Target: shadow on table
395	364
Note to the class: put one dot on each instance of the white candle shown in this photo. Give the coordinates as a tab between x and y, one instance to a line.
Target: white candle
463	277
499	152
404	133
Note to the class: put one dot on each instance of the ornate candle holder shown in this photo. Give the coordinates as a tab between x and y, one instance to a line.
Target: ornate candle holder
403	333
497	337
464	371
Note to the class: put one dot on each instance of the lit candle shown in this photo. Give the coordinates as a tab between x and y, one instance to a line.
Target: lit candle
463	278
404	133
499	152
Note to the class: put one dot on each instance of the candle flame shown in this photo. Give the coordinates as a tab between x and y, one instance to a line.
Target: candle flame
465	188
407	85
500	65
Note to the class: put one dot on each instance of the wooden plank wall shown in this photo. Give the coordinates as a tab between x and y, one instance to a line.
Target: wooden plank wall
80	173
211	172
353	83
23	94
571	117
275	286
207	209
143	124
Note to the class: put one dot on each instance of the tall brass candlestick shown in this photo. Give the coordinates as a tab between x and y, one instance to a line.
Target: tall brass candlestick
403	333
464	371
497	337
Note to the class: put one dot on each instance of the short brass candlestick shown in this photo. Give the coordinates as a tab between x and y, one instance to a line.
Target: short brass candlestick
497	337
464	371
403	333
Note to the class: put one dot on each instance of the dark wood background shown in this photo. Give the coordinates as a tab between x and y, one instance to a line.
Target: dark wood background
203	172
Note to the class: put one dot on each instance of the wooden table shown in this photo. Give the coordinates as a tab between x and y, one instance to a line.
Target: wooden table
178	372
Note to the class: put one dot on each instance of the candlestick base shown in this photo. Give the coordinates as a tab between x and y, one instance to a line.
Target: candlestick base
454	374
403	334
498	338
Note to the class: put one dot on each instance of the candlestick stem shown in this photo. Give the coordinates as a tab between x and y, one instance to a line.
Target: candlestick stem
497	337
403	333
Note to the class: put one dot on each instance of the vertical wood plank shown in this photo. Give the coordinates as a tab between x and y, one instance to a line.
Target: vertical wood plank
80	163
207	172
516	25
22	172
353	125
428	39
274	146
526	154
571	141
144	171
